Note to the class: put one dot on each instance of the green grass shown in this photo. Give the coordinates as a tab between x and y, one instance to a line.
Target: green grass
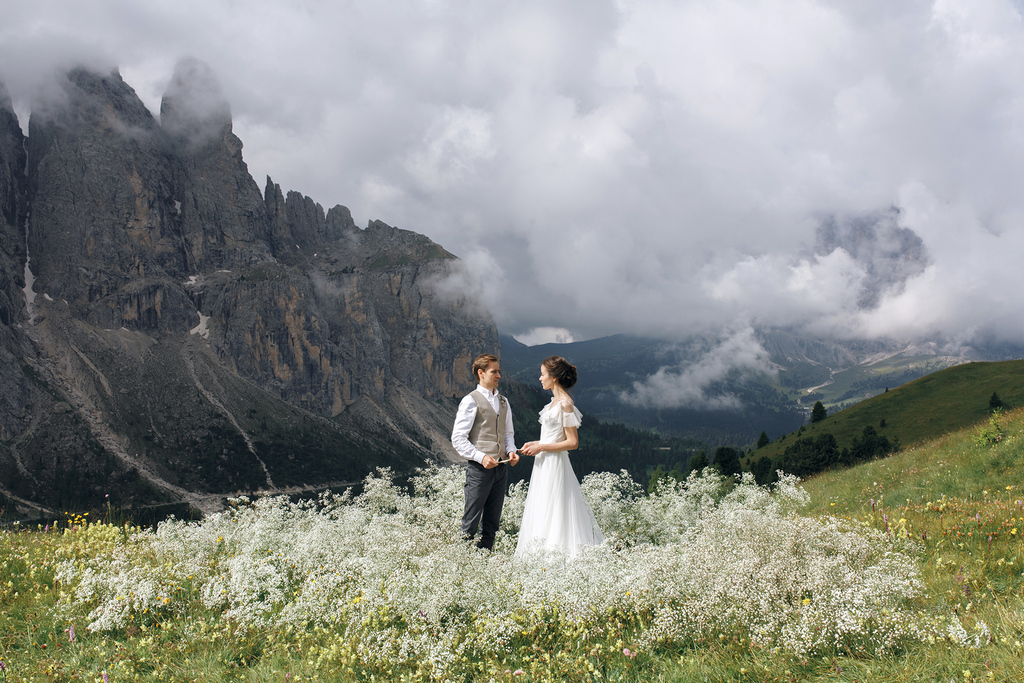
418	254
267	272
937	404
955	497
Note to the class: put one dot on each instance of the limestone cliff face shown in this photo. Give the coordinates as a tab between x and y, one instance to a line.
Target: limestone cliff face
14	390
348	324
186	335
103	233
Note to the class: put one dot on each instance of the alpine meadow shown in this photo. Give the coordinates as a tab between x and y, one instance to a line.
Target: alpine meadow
903	568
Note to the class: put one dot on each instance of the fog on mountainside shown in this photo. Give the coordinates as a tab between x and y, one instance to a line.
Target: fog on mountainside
888	252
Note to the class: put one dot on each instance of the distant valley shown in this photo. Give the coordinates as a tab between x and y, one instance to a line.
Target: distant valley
799	370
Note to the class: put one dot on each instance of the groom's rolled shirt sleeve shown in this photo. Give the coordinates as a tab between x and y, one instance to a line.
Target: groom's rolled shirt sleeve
510	437
460	433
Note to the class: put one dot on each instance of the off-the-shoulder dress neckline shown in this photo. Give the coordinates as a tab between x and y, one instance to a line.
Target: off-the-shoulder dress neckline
556	403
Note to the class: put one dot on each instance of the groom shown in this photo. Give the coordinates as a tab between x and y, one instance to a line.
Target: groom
483	436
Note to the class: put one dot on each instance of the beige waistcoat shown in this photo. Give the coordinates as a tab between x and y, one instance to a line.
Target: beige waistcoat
488	431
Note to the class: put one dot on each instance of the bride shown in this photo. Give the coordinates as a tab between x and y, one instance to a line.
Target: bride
556	516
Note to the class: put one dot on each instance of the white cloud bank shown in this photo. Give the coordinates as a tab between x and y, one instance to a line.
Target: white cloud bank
691	386
646	166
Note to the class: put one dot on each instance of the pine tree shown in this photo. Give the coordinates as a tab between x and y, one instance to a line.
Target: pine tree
818	412
763	471
727	460
698	462
762	440
995	402
656	475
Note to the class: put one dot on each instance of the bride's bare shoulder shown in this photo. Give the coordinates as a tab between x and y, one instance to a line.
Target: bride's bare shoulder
566	405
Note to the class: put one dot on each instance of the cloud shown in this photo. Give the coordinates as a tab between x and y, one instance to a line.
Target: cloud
193	107
545	335
474	282
652	166
327	289
889	253
454	146
781	290
699	385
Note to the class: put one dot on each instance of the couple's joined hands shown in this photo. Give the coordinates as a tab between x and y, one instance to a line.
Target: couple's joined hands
490	462
531	448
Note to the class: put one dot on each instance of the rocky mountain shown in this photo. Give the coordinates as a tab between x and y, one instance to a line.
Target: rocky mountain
169	334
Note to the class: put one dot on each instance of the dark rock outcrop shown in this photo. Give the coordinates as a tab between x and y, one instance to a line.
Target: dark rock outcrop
103	232
190	338
15	389
13	208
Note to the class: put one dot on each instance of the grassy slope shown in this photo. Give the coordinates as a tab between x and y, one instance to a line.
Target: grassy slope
952	465
926	408
963	500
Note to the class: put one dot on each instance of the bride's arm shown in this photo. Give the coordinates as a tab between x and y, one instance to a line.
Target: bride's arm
572	440
570	443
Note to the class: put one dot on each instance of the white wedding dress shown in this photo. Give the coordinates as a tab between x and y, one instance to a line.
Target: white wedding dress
556	516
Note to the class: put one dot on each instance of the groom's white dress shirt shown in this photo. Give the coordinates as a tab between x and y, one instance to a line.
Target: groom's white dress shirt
464	422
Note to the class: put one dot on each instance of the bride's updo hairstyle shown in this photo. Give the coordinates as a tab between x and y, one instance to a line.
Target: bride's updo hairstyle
561	369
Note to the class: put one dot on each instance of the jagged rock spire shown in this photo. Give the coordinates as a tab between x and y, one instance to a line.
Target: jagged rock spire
219	207
13	206
193	106
12	162
179	351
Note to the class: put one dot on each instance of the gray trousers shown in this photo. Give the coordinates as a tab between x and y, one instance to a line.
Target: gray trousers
485	494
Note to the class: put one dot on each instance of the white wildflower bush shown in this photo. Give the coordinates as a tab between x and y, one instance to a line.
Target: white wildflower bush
387	572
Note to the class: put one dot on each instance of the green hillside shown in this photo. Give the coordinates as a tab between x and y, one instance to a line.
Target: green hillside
926	408
957	465
843	388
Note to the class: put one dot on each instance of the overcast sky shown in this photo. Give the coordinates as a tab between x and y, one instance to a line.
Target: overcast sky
853	168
